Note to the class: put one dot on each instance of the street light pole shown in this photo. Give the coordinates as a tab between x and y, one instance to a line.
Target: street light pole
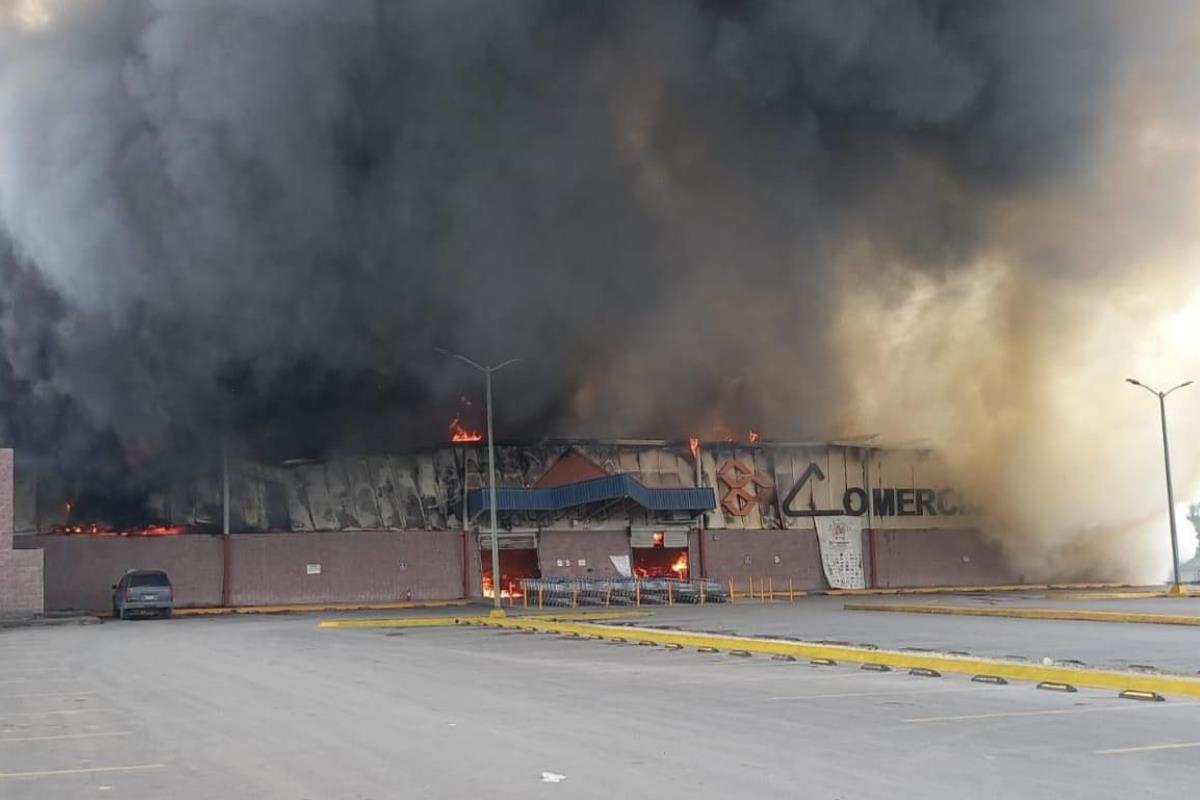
487	373
1176	588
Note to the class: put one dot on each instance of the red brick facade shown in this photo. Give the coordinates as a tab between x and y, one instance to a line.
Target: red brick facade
20	570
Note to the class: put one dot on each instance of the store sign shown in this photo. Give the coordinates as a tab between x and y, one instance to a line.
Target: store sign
744	488
886	501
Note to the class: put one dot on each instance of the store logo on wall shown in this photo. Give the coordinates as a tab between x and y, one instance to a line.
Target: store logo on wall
744	488
883	501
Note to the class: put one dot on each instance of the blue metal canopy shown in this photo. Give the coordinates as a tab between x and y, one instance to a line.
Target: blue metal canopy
596	490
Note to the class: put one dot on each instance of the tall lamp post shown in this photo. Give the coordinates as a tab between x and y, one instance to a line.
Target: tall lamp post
1176	588
487	373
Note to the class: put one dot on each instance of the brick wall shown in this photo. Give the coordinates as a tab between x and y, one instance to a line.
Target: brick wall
962	557
776	554
374	566
80	570
594	547
902	558
20	570
369	566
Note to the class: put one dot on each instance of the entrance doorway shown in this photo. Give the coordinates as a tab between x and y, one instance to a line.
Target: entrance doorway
518	560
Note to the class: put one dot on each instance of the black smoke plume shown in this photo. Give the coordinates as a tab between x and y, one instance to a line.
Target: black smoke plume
253	221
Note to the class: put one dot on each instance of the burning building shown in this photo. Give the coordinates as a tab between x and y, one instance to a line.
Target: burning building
386	528
949	223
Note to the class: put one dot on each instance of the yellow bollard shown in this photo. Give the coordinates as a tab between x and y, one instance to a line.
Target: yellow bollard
670	599
637	593
791	592
771	588
608	597
540	590
701	591
524	595
732	596
574	596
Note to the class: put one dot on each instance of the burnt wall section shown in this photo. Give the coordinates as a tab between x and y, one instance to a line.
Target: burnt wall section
560	553
341	567
957	557
80	570
21	571
417	492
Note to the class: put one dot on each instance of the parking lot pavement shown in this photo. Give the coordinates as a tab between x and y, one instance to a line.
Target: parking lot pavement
272	707
1101	644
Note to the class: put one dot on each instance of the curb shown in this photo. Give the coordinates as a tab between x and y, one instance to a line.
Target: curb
287	608
1015	587
10	623
477	619
1077	615
964	665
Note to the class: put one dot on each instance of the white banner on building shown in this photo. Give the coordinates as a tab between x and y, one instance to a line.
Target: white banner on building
840	539
622	565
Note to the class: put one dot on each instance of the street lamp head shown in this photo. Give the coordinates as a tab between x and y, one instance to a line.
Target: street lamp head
1131	380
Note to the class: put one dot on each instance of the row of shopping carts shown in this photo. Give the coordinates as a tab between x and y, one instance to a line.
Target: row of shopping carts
571	592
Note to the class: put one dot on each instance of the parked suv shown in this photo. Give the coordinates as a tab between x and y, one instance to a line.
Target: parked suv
143	590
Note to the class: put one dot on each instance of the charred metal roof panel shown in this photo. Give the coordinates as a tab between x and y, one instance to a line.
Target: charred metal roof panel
596	490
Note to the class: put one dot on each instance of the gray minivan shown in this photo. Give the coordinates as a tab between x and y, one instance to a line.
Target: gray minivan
143	591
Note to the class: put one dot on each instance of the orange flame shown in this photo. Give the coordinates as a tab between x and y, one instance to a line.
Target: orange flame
488	591
95	529
459	433
680	567
694	446
753	436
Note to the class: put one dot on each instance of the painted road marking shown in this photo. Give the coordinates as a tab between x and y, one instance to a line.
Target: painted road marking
874	694
65	736
1076	615
942	662
1050	712
50	773
63	712
1147	748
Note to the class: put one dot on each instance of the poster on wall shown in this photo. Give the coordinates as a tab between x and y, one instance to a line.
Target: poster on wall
622	565
840	540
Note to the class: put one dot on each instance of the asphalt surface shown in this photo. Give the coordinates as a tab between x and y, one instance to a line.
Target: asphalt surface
273	707
1102	644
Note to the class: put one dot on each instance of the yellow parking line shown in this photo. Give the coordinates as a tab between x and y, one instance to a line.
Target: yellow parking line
1051	712
1078	615
1147	748
48	773
65	736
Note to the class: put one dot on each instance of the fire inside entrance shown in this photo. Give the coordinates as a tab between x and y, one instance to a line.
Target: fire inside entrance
518	559
660	554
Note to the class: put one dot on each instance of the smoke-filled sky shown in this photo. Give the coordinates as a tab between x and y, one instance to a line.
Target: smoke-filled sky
957	222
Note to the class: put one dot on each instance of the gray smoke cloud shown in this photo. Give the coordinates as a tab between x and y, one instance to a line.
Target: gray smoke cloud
257	218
